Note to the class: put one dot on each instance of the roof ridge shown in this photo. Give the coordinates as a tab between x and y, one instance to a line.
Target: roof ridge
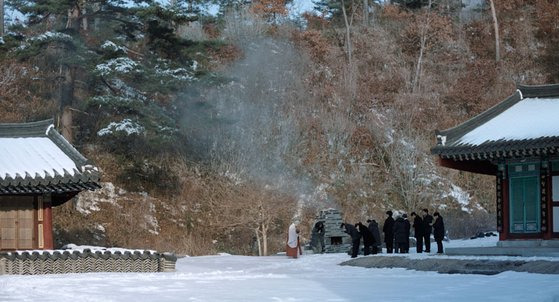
30	129
67	148
530	91
452	134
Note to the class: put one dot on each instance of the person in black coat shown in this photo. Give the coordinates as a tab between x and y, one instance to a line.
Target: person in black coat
418	228
400	238
373	227
368	239
388	230
355	238
427	222
407	228
317	237
438	231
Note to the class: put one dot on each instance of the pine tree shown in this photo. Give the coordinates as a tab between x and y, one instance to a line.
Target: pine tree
130	58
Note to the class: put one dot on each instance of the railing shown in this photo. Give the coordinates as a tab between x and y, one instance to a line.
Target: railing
86	261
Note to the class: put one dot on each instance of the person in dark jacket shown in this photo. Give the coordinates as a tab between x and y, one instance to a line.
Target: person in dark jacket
407	230
368	239
427	222
355	238
317	237
418	228
373	227
400	235
438	231
388	230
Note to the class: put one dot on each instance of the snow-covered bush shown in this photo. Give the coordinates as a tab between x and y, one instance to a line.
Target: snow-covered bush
126	126
118	66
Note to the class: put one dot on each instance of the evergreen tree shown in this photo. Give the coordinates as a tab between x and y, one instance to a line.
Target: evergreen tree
129	58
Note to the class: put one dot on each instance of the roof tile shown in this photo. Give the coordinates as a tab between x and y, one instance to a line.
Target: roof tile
39	159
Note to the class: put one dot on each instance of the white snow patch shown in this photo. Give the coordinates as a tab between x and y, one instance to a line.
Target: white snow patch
118	65
461	196
92	248
50	35
88	201
100	227
152	225
111	46
299	7
126	125
110	99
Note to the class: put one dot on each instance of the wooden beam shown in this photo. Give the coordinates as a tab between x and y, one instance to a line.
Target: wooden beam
480	166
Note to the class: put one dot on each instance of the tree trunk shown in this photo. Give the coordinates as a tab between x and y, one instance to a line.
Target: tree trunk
415	82
496	25
348	34
84	19
423	42
66	101
350	77
73	15
66	124
264	229
1	18
365	12
258	241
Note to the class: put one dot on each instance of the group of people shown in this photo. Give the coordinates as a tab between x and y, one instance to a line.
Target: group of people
397	232
369	233
396	235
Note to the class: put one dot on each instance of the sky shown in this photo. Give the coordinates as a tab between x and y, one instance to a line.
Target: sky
276	279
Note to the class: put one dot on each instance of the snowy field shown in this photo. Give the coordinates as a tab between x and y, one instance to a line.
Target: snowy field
276	278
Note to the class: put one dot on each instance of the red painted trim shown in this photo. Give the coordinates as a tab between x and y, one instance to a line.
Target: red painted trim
35	239
481	167
549	204
47	226
504	235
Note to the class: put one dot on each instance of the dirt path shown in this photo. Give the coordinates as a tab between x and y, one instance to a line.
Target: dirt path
456	266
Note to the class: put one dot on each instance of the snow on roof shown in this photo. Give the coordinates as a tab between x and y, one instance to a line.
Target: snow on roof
530	118
36	158
33	155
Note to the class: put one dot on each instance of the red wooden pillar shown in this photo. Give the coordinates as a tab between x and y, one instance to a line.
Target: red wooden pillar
504	234
548	233
47	225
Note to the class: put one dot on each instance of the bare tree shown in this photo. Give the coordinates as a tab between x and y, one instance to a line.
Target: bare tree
496	26
348	22
423	37
365	12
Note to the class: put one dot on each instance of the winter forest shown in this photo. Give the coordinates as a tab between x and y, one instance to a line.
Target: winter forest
214	123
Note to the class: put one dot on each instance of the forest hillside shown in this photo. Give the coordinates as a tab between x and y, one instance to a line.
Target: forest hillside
215	123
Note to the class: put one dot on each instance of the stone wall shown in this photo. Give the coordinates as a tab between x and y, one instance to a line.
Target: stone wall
62	262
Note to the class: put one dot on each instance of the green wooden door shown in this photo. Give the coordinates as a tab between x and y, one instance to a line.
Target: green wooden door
524	204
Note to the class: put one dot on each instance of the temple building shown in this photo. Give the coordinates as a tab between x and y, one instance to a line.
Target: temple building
39	170
517	141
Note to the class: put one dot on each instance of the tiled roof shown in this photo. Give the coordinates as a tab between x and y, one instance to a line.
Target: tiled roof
524	124
35	158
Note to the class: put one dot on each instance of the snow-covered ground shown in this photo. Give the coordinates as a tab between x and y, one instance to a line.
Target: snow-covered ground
276	278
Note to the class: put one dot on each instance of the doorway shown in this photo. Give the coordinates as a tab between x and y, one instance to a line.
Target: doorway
17	222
